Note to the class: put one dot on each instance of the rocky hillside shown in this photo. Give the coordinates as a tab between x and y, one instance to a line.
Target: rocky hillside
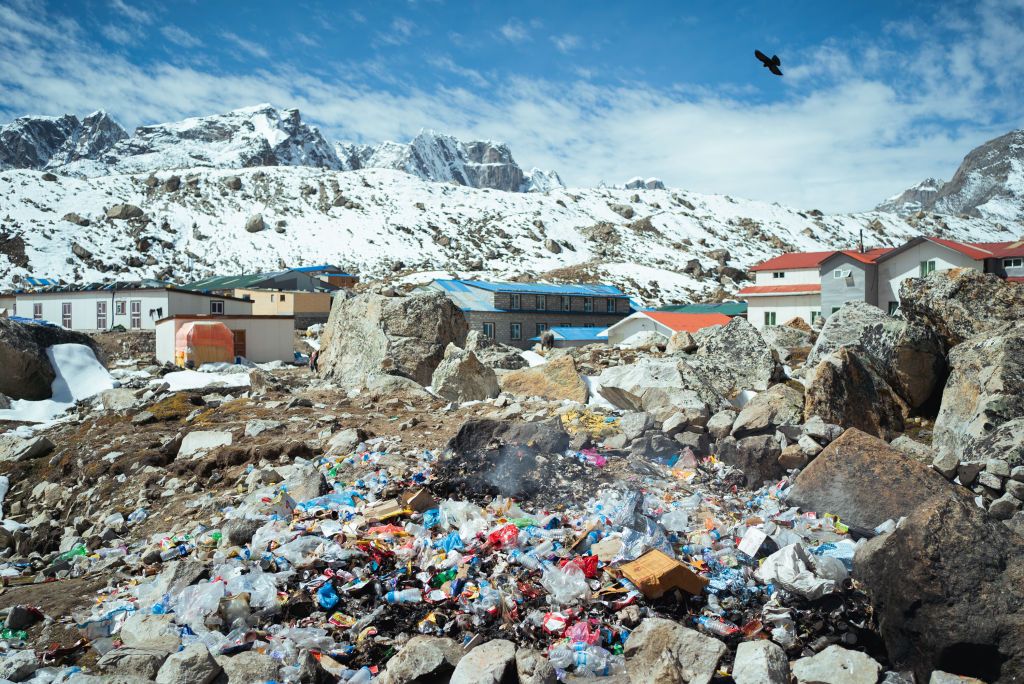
184	225
989	183
252	136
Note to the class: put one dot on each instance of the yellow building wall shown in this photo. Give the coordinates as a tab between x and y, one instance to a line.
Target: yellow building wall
270	302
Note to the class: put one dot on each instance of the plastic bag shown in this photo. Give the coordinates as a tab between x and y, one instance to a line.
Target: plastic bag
194	603
565	585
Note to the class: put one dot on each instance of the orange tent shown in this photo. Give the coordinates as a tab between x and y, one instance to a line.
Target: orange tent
203	342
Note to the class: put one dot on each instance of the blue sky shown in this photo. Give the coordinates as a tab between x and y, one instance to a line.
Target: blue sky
876	95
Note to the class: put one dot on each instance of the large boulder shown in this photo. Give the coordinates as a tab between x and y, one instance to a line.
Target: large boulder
780	405
407	336
557	379
461	377
909	356
25	370
985	389
946	589
423	658
787	340
124	212
865	481
493	662
757	456
126	660
661	651
658	386
848	389
735	358
960	303
249	666
191	665
837	665
1005	442
493	353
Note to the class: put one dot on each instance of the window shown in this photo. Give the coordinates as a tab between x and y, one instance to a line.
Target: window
216	307
515	301
489	330
541	327
119	308
610	305
65	314
815	315
542	303
516	331
282	298
769	318
1013	263
778	274
835	308
136	317
37	311
566	304
927	267
588	304
271	298
841	273
101	315
893	308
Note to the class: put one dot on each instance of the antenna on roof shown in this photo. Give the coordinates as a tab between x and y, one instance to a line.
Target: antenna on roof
861	241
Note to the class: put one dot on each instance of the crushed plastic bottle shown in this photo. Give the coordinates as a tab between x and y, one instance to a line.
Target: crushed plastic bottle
404	596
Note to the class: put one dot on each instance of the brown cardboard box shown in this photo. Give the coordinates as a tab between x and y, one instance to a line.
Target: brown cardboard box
654	573
382	510
419	500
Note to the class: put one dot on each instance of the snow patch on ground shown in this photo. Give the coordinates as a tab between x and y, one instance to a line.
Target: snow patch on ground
79	376
190	380
533	358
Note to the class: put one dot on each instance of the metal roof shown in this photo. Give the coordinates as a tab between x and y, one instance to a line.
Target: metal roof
478	295
573	334
145	284
727	308
310	269
233	281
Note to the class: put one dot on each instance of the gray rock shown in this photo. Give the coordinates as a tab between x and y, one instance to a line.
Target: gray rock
303	480
239	531
124	212
422	658
821	432
680	342
248	666
1015	489
17	666
947	464
255	223
494	354
13	448
661	651
1017	473
808	446
765	413
199	442
406	336
735	358
616	441
25	370
1004	507
985	390
677	422
182	573
143	662
760	662
913	449
720	424
345	441
552	246
757	456
837	665
150	632
118	399
493	662
909	356
635	423
623	210
256	427
699	442
462	377
660	387
191	665
997	467
233	183
533	668
991	481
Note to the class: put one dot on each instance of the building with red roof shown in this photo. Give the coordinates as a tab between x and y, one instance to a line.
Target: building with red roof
664	323
813	285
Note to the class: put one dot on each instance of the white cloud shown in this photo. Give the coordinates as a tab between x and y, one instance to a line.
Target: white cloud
849	129
400	31
180	36
118	34
132	12
357	16
307	40
248	46
515	31
566	42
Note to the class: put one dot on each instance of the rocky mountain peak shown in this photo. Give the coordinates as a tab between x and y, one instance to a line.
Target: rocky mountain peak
989	183
38	142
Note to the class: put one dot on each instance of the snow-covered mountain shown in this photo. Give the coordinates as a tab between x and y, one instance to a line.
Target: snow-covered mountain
659	244
989	183
253	136
45	142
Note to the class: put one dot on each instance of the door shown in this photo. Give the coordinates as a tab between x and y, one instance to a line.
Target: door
65	314
239	342
101	315
136	309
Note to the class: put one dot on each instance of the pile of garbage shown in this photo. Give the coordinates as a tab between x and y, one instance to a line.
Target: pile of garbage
328	575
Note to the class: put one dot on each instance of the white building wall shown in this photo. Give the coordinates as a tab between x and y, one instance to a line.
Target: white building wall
784	306
893	271
633	324
152	303
798	276
266	339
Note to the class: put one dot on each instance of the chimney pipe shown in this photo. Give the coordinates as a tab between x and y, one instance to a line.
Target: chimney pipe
861	240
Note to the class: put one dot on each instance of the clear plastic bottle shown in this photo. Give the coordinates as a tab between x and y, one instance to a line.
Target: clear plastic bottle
717	626
404	596
526	560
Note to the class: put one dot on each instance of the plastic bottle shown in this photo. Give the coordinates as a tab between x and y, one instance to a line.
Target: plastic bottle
526	560
404	596
362	676
717	626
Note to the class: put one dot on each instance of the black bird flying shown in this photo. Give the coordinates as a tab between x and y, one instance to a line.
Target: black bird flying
772	63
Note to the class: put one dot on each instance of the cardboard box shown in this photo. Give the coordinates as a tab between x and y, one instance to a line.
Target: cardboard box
418	500
654	573
382	510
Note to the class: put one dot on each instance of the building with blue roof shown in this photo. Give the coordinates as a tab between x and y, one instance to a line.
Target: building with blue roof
513	313
574	337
